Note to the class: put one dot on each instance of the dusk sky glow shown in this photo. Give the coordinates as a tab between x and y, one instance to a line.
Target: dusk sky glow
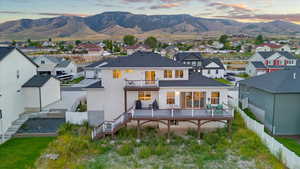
241	10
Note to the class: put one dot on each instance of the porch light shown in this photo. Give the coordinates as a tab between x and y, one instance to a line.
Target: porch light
177	93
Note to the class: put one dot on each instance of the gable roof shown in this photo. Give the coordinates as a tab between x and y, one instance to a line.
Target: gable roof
195	80
138	46
63	64
206	62
183	56
143	59
266	55
37	81
258	65
281	81
271	45
4	51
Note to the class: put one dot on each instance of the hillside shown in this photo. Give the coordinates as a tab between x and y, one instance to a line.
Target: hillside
121	23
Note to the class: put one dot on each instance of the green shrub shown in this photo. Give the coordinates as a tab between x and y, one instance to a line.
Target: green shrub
125	150
160	150
144	152
211	138
66	128
192	132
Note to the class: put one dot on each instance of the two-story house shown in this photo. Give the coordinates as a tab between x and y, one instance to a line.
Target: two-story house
209	67
20	88
55	66
264	62
152	87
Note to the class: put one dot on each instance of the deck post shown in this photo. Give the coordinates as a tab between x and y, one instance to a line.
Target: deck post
125	100
168	140
199	129
138	131
229	126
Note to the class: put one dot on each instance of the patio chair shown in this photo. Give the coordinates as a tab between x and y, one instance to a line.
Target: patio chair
219	107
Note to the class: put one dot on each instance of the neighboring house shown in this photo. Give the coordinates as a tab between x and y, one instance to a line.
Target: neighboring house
89	48
154	81
55	66
264	62
48	44
274	99
217	45
268	47
15	70
93	71
212	68
138	47
170	51
41	91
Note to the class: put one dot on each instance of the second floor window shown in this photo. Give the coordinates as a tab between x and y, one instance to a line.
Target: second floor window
42	62
116	74
217	71
168	74
170	97
208	71
179	73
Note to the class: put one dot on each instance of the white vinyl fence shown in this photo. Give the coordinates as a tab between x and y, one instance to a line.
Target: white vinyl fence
289	158
76	117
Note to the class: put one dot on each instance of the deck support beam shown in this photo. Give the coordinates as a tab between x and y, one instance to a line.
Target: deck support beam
125	100
168	140
138	131
199	129
229	126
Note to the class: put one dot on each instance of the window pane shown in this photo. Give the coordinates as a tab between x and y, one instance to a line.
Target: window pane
144	95
170	97
116	74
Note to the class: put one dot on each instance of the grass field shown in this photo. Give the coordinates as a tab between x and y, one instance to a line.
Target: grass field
290	143
217	150
21	153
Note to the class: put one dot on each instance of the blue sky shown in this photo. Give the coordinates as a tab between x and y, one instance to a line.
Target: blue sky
242	10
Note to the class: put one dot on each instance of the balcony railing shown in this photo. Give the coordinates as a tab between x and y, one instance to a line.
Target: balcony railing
141	83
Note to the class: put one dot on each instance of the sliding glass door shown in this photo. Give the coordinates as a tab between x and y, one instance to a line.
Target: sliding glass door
191	100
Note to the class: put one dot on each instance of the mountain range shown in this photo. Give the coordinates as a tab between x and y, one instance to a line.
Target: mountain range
109	24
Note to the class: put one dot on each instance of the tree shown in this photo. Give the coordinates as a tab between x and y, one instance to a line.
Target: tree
223	39
129	40
13	43
259	40
151	42
50	39
77	42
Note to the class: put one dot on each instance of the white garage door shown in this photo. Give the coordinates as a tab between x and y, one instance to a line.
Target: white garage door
89	74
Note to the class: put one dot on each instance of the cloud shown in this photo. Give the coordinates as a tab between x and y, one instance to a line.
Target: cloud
266	17
233	8
44	13
165	6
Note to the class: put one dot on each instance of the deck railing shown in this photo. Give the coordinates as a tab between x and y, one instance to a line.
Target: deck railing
141	83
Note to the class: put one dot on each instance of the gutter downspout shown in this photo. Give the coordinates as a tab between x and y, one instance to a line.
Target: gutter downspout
40	93
273	114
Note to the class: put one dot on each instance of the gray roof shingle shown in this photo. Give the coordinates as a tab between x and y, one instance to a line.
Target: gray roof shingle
281	81
37	81
217	61
266	55
144	59
258	65
195	80
63	64
184	56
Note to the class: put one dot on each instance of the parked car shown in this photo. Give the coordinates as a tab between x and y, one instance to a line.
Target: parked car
230	78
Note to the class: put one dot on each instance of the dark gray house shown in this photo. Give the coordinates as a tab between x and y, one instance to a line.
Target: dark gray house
209	67
275	100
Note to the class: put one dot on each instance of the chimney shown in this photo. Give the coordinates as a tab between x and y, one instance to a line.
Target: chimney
294	75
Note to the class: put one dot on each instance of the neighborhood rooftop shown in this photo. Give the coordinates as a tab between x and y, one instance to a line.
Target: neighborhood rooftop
266	55
217	61
95	85
37	81
258	65
283	81
188	56
143	59
195	80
